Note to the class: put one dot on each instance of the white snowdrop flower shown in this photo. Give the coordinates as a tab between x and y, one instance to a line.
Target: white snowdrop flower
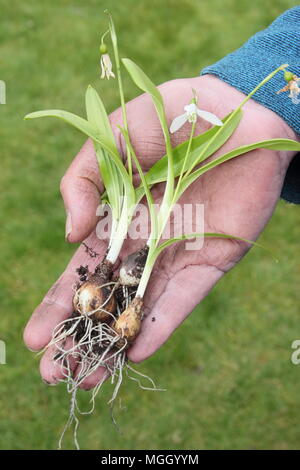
106	67
294	91
192	112
292	86
105	62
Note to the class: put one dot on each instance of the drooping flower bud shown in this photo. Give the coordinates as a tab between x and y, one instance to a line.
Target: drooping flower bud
293	86
288	76
103	48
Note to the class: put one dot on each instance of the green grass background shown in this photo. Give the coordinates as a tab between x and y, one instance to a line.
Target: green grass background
230	382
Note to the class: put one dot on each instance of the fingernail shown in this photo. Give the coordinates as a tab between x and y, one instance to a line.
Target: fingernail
49	383
32	350
68	225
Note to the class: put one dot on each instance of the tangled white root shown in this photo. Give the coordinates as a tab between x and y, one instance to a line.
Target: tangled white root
94	348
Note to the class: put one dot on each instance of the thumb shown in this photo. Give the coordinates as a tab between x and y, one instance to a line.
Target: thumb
80	188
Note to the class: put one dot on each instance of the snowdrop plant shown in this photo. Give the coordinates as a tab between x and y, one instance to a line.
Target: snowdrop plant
108	311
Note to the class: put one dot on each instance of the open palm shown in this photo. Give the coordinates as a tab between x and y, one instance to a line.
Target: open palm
238	197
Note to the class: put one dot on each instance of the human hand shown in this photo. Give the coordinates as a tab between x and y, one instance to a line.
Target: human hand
238	196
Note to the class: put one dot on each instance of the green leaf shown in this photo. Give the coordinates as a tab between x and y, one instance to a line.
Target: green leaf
111	177
82	124
273	144
151	207
88	129
154	252
169	242
96	114
145	84
222	134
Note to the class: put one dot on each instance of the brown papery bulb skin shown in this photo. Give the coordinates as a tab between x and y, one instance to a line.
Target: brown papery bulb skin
92	295
132	267
128	324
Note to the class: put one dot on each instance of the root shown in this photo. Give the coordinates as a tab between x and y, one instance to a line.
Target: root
95	348
115	365
153	388
93	344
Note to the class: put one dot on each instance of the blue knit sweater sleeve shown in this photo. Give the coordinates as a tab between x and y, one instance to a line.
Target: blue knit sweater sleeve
244	69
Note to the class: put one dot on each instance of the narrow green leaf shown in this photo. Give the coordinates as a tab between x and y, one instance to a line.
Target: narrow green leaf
82	124
274	144
96	114
169	242
151	207
111	177
145	84
88	129
218	139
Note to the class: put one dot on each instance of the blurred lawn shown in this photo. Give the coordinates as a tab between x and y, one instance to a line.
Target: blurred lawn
227	369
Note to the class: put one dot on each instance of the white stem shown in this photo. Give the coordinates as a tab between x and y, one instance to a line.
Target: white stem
114	227
117	238
147	269
144	281
116	244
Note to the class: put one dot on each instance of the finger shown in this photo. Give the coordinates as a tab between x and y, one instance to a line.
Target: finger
92	380
80	188
52	370
181	295
57	304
